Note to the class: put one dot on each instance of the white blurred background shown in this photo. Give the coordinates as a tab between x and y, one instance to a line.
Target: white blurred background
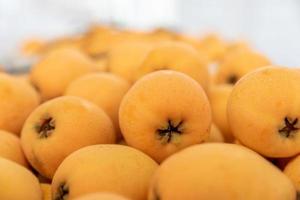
271	26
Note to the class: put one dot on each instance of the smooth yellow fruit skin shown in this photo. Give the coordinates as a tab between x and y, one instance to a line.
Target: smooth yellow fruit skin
258	106
213	46
106	90
17	100
292	170
17	182
11	149
177	56
78	123
219	171
57	69
153	101
126	57
101	196
106	168
218	98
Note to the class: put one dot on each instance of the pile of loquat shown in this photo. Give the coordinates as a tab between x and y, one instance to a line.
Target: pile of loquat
115	114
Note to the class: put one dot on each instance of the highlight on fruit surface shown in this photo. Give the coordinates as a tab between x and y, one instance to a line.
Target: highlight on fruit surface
164	112
219	171
111	168
264	109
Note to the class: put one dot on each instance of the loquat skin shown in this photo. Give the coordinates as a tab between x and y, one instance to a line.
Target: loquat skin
213	46
126	57
10	148
59	127
17	182
163	34
218	98
32	47
264	110
215	135
177	56
69	42
239	45
117	169
237	64
195	42
99	41
106	90
101	196
57	69
164	112
46	189
219	171
18	99
292	171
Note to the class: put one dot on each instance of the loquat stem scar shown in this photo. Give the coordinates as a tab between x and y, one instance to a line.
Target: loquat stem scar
232	79
45	127
167	133
289	127
62	192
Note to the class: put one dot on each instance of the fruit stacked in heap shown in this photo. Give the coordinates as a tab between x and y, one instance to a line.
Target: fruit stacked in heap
125	115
